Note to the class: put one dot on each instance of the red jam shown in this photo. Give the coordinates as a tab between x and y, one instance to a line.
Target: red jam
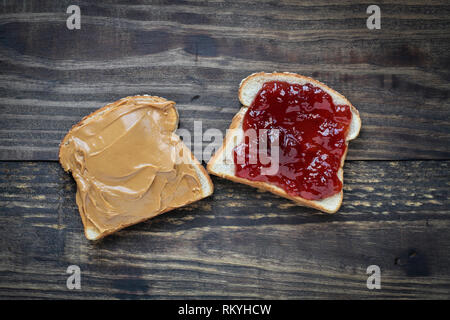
312	132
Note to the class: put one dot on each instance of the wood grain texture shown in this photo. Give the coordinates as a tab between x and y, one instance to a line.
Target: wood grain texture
196	53
239	243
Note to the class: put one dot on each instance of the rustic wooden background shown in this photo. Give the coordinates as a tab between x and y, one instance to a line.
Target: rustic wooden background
239	243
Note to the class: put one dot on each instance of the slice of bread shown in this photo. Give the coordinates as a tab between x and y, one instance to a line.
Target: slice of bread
206	188
222	165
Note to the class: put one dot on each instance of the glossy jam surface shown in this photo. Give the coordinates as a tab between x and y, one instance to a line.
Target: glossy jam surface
312	132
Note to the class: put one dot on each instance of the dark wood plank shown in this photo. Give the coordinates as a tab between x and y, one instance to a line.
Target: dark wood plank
196	53
239	243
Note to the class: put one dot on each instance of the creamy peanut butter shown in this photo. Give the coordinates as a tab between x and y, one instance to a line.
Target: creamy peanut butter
128	164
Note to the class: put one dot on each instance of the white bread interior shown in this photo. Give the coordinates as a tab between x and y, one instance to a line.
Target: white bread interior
221	165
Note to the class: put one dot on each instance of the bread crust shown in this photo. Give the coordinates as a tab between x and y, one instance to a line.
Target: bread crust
109	107
236	123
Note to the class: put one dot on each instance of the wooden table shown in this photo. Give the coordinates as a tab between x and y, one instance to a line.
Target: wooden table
238	243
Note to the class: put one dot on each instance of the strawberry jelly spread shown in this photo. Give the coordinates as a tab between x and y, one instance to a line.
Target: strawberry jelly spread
312	139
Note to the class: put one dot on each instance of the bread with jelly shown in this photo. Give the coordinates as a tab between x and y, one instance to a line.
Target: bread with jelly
304	155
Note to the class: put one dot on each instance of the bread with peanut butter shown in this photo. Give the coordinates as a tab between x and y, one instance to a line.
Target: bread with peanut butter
129	165
314	124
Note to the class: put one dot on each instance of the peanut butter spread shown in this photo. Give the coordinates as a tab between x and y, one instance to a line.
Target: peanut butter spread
128	164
